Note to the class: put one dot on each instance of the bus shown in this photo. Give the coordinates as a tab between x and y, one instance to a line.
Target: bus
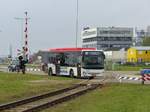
76	62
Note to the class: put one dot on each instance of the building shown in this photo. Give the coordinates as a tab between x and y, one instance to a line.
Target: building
138	54
140	35
104	38
116	55
148	31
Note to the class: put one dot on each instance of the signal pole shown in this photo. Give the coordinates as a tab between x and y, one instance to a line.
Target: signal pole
26	49
24	36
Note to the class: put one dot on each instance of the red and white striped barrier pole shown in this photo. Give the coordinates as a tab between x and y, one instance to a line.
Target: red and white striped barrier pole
145	77
26	37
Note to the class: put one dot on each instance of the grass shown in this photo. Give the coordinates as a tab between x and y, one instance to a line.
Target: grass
109	65
129	67
111	98
33	65
15	86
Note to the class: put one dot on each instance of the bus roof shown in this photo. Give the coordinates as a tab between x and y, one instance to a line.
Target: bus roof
70	49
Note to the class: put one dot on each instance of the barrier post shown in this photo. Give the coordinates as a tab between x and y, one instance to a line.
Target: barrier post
142	74
142	81
120	80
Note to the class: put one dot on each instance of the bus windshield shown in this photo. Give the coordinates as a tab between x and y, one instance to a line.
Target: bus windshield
93	60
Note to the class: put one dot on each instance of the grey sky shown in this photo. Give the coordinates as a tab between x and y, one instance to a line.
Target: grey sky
52	22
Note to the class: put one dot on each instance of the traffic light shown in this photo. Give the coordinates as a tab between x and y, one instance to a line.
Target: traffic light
20	58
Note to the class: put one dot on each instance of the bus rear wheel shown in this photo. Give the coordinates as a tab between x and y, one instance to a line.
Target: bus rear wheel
71	73
50	73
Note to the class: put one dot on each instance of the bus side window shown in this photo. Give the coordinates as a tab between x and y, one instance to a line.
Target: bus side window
61	58
104	56
52	60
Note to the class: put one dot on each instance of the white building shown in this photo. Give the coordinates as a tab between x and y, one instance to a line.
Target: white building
107	37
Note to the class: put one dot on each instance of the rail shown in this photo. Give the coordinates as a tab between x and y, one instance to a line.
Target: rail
50	99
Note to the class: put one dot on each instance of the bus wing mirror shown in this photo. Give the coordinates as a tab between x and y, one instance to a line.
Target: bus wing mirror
78	65
104	56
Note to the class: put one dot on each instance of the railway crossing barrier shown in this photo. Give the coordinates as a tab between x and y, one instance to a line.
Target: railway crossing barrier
145	76
145	73
125	77
33	69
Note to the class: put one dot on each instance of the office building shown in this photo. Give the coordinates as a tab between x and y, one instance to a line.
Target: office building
104	38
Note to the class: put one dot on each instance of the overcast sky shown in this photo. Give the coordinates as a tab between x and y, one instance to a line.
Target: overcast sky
52	22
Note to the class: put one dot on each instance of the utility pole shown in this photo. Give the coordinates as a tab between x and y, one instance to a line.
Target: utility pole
77	14
10	50
21	19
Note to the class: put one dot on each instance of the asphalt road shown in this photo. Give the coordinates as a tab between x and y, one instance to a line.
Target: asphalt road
3	68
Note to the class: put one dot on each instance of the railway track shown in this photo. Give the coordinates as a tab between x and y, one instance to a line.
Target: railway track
40	102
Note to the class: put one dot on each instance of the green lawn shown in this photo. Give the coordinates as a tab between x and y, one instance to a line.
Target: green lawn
111	98
109	65
129	67
16	86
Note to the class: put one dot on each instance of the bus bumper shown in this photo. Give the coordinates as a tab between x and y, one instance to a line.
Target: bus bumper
92	73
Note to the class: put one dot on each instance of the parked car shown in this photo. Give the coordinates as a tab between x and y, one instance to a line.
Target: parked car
148	63
145	71
14	66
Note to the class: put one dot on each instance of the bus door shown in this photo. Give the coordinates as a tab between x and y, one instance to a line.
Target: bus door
78	70
58	68
60	62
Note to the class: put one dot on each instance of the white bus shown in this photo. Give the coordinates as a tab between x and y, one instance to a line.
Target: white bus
76	62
